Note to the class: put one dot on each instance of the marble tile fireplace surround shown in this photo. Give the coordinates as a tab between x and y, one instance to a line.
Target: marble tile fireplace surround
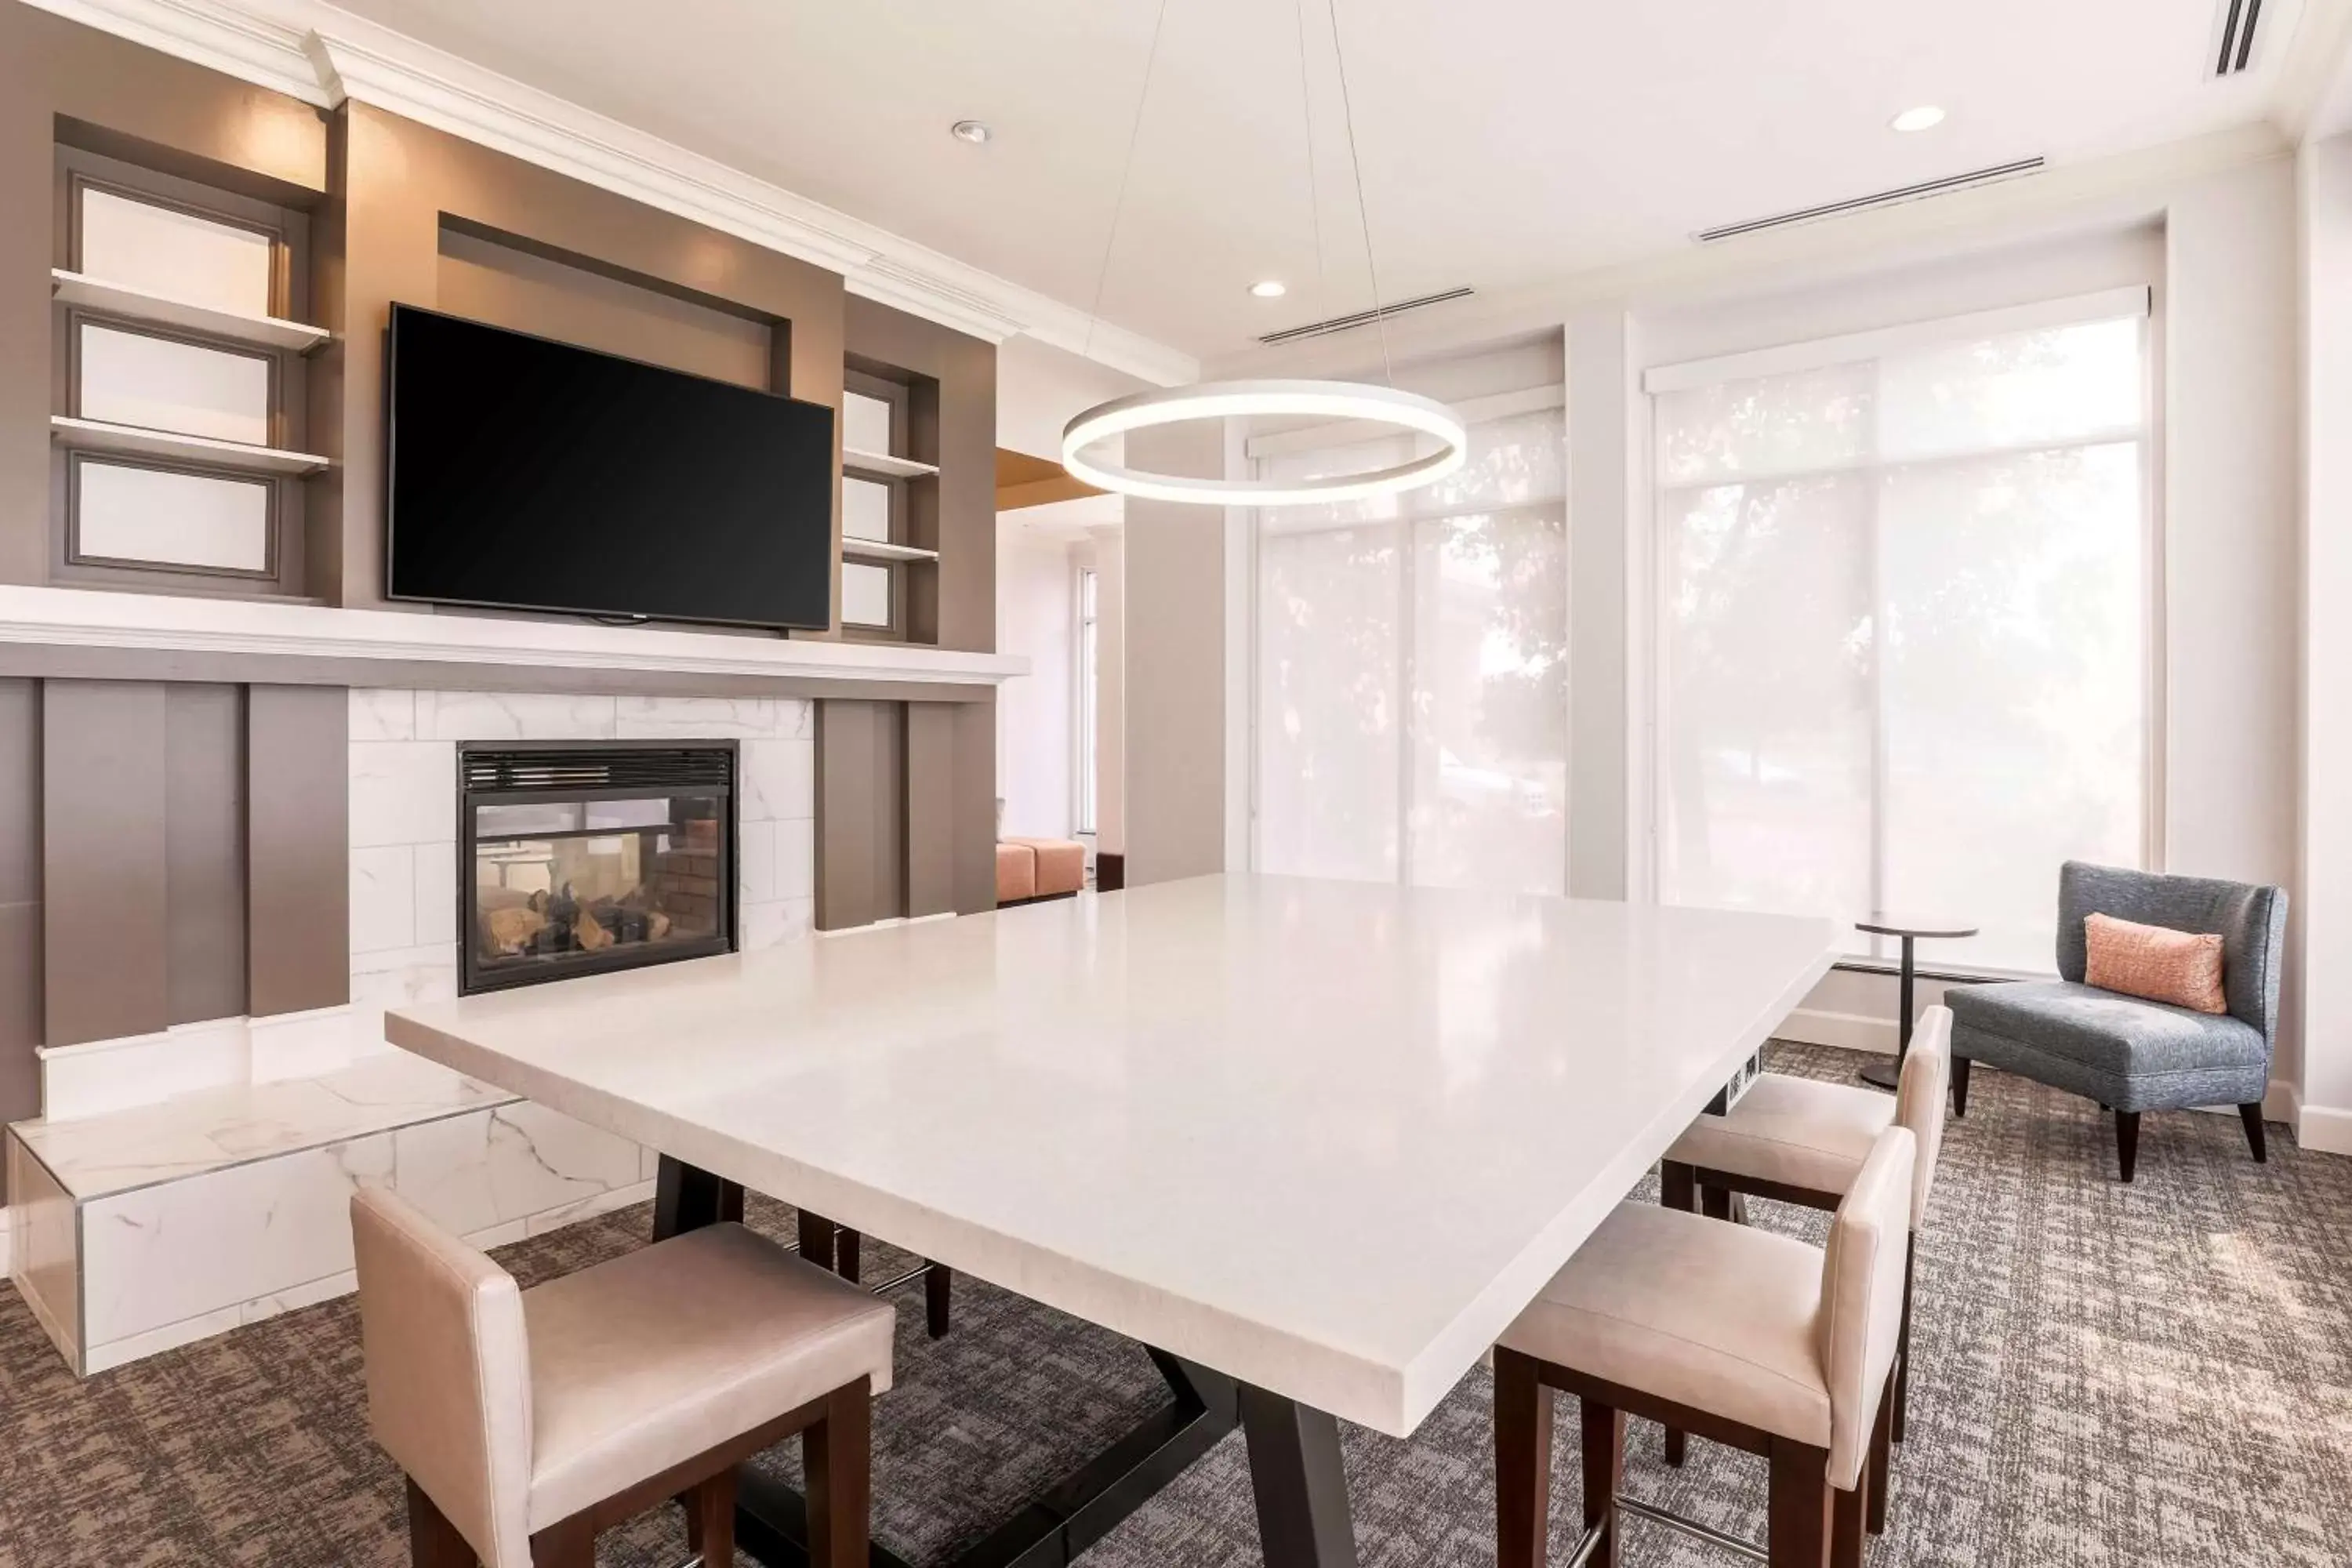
178	1186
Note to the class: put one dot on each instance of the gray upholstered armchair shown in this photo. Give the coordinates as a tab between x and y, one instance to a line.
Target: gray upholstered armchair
2127	1053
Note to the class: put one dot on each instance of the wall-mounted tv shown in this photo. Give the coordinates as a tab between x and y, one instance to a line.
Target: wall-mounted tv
526	474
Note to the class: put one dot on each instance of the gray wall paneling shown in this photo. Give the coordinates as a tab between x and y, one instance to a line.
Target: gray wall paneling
104	854
298	835
20	903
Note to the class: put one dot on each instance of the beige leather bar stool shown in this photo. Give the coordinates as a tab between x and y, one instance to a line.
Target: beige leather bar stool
528	1420
1743	1336
1803	1141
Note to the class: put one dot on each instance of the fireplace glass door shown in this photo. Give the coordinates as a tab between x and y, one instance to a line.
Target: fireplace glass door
578	859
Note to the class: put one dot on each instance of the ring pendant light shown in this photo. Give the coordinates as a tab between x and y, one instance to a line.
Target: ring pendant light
1337	400
1245	399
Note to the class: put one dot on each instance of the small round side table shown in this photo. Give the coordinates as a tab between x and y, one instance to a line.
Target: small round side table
1910	928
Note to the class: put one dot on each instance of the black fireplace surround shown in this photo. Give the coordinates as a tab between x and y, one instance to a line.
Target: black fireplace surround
577	858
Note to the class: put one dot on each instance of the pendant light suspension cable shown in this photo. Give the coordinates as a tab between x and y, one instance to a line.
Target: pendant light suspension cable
1220	400
1363	213
1119	203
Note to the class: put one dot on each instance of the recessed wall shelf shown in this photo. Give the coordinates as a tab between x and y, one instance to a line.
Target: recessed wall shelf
880	550
97	435
882	464
266	331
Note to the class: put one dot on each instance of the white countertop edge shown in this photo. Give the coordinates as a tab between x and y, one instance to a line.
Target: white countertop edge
1433	1375
1239	1348
86	617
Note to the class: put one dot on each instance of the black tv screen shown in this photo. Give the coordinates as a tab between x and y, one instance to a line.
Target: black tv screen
526	474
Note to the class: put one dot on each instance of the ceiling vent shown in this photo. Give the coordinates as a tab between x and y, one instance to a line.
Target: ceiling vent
2233	35
1882	199
1362	318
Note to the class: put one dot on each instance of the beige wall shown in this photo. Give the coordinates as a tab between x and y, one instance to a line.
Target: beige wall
1175	569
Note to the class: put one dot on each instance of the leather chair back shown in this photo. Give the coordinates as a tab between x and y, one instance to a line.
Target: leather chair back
448	1372
1921	1098
1860	1318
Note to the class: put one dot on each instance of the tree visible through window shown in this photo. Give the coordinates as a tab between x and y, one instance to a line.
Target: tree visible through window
1902	632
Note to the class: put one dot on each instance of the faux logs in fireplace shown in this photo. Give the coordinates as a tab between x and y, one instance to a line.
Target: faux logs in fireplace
575	858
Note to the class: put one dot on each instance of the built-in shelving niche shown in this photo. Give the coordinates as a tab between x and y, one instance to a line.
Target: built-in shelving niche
179	381
890	503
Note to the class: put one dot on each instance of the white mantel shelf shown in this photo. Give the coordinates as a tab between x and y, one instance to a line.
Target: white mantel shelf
156	623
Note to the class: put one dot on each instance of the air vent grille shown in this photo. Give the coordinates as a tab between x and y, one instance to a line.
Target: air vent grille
1364	318
1882	199
2234	49
558	768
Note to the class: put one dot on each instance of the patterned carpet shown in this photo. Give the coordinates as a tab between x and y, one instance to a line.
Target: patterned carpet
2128	1377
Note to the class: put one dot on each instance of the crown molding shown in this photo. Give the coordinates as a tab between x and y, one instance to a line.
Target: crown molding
326	57
238	42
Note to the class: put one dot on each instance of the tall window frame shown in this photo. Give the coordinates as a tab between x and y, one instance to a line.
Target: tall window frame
1655	583
1086	683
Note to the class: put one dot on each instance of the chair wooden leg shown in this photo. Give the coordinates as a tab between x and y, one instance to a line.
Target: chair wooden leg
845	1254
568	1544
1959	1086
1523	1422
432	1541
1848	1539
710	1520
937	1290
1715	1201
1604	1474
2128	1142
1677	1189
2251	1115
1797	1527
1879	1474
836	1454
1902	1400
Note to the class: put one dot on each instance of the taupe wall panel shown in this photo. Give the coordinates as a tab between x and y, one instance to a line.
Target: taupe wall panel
958	431
20	903
488	279
861	813
210	125
396	181
297	856
931	782
204	750
105	952
975	806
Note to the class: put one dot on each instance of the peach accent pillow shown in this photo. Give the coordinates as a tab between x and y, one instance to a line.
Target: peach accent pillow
2183	968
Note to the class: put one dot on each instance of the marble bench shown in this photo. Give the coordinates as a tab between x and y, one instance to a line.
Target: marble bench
140	1230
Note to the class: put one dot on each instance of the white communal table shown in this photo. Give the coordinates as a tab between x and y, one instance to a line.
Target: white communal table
1314	1144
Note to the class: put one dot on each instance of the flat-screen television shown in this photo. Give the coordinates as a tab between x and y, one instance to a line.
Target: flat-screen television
526	474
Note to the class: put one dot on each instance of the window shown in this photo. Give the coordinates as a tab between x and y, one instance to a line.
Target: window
1411	705
1901	630
1088	694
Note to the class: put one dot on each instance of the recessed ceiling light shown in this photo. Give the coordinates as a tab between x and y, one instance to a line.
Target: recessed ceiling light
1269	289
1926	117
970	130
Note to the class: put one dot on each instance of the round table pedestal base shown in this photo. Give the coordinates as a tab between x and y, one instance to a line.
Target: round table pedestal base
1880	1075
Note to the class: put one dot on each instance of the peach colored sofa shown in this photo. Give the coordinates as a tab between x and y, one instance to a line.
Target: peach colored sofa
1032	869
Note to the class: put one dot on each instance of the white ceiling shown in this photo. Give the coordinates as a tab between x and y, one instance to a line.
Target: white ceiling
1503	140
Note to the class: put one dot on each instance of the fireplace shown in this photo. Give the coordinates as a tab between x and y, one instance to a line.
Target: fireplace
578	857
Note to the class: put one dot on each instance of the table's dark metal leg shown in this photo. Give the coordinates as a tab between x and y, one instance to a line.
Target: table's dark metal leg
1303	1519
687	1199
772	1518
1879	1073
